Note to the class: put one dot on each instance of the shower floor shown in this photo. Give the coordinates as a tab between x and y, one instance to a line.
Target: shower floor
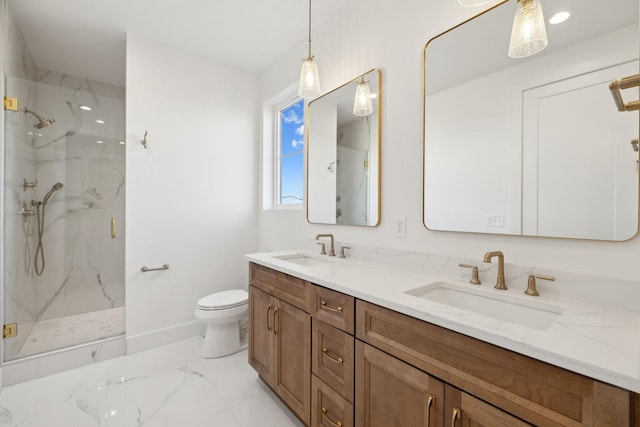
62	332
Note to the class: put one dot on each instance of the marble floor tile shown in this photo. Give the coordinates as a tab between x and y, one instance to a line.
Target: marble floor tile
168	386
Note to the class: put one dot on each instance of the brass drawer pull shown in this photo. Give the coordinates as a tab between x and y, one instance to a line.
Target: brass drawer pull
326	417
275	322
268	324
113	228
328	307
455	416
325	353
429	404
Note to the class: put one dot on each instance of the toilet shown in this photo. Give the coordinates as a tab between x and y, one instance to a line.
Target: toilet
226	316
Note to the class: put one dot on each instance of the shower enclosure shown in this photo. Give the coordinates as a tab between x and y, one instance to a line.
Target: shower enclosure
63	216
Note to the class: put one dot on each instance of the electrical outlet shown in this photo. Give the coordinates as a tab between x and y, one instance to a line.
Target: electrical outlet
495	220
400	226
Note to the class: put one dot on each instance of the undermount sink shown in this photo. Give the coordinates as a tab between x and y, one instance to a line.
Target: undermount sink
305	260
489	302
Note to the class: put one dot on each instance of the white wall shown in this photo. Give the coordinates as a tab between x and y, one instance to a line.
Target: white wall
393	40
191	196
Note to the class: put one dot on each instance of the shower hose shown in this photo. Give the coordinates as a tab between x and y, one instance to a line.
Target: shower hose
39	258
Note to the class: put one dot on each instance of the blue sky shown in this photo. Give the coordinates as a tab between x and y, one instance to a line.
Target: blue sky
292	153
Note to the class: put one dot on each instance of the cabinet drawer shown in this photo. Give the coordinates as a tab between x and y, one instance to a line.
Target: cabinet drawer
334	308
293	290
537	392
328	408
332	357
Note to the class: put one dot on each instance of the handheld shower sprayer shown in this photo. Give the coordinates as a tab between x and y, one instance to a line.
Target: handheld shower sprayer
42	122
39	260
57	186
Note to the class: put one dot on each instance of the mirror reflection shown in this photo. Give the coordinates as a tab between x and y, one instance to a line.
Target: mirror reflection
343	169
533	146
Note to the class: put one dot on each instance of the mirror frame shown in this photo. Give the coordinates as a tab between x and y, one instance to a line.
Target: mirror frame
377	105
424	148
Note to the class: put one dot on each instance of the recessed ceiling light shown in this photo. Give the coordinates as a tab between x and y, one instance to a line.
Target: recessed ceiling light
100	121
122	142
100	142
85	108
560	17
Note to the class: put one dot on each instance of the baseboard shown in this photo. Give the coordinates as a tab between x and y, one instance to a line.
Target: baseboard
158	337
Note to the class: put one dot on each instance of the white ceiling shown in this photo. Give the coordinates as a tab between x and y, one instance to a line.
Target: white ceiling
87	37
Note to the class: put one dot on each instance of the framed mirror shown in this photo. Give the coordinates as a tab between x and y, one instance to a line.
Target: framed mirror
533	146
343	154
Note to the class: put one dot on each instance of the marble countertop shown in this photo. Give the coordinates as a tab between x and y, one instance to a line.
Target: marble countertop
601	342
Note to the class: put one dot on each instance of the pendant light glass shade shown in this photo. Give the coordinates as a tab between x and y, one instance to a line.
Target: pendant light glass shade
309	86
473	3
362	105
529	34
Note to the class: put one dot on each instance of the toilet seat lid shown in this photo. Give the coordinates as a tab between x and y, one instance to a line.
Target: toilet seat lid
224	299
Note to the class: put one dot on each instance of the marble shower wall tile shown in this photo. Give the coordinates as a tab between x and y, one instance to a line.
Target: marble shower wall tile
88	274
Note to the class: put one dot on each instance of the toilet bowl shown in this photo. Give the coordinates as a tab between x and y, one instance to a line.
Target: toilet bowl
226	316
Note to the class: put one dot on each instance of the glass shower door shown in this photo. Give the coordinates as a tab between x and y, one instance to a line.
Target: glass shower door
63	219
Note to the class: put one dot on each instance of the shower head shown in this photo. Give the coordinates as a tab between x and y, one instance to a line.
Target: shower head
41	121
57	186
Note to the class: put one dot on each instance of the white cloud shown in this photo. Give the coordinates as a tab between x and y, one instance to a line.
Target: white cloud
297	142
300	130
292	117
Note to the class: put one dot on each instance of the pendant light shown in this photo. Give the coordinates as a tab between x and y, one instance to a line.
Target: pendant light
362	105
528	35
309	85
473	3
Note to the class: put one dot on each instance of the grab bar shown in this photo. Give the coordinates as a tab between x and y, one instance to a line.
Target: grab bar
625	83
145	269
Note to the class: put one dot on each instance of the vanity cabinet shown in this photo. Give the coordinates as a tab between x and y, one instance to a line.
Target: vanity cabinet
486	383
336	361
280	336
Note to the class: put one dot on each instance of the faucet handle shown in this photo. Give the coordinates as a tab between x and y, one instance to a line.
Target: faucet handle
531	283
475	280
323	251
342	248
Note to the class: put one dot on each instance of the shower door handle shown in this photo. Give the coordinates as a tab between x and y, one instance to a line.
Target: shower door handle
113	228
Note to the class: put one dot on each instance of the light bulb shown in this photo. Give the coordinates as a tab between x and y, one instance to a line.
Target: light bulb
529	34
309	86
362	105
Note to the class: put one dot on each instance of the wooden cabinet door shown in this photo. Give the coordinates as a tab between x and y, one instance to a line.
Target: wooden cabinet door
392	393
293	357
261	348
464	410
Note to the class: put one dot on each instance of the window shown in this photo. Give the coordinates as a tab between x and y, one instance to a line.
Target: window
290	154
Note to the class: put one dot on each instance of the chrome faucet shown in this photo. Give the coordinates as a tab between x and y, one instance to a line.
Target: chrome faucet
500	279
332	252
